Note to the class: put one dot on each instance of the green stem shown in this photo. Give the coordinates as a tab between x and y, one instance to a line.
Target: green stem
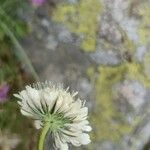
20	50
43	136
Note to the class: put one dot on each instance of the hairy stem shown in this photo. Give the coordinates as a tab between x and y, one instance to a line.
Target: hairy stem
43	136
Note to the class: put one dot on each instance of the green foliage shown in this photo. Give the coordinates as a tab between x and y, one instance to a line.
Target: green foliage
81	19
13	28
10	117
11	120
8	71
8	16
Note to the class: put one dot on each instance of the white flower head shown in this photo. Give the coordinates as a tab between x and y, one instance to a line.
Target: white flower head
51	104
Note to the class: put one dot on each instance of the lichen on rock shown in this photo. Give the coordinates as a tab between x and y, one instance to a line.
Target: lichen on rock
136	72
110	123
80	18
106	127
146	64
144	25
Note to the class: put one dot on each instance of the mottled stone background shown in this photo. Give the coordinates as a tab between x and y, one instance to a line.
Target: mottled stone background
102	49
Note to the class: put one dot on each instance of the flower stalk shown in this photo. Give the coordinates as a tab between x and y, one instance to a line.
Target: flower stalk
42	138
57	111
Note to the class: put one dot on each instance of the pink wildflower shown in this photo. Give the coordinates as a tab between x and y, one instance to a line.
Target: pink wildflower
3	92
37	2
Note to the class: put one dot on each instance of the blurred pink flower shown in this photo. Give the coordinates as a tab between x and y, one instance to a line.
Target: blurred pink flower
3	92
37	2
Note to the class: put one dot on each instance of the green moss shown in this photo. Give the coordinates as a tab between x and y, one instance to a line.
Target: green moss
81	19
109	123
144	28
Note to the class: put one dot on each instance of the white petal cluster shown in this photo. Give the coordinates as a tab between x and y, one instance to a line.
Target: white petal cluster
44	100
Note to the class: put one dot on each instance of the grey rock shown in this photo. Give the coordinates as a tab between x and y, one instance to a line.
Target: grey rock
105	57
64	35
51	43
140	51
56	56
134	93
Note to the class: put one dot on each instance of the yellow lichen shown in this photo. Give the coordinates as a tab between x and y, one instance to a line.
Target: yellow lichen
128	45
91	73
106	127
146	64
82	19
136	72
108	122
144	25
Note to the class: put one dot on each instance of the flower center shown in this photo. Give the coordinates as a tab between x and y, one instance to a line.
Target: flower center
56	121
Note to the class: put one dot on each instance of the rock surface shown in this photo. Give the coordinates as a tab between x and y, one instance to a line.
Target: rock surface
99	48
